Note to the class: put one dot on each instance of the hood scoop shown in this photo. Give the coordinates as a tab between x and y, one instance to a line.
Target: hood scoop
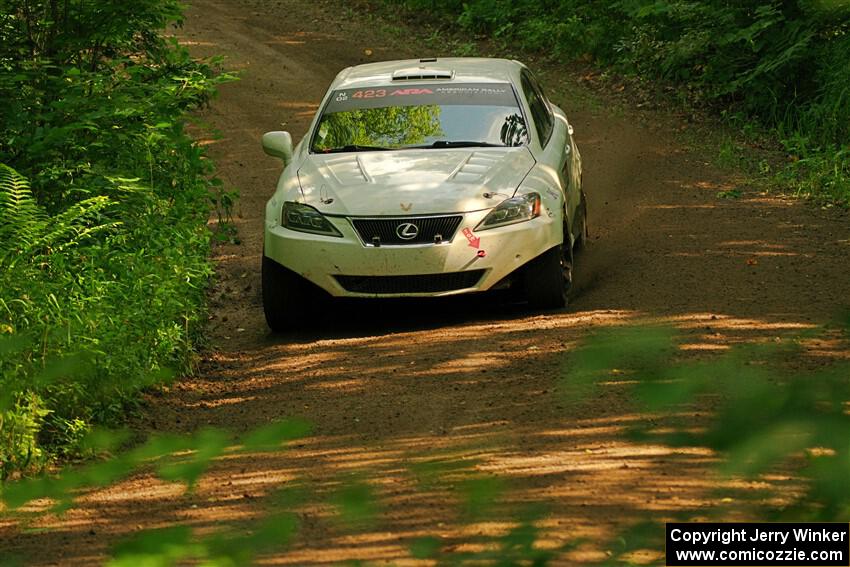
348	170
422	73
474	168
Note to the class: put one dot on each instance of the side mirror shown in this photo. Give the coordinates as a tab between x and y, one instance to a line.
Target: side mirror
279	145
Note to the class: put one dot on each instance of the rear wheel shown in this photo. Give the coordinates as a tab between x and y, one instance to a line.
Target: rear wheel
289	302
548	278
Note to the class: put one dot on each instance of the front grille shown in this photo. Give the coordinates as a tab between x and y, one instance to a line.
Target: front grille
387	229
425	283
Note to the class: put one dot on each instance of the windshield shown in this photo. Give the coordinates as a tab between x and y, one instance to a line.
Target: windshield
421	116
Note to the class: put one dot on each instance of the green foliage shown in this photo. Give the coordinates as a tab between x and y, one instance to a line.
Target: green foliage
104	201
785	64
29	234
355	500
19	427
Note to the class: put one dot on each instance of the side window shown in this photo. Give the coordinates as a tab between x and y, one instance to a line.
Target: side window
540	113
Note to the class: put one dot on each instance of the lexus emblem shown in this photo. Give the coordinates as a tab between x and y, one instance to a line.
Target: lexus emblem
407	231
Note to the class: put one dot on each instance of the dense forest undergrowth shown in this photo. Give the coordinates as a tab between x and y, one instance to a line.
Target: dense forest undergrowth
780	65
104	202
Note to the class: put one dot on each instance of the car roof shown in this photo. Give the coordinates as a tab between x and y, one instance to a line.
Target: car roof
430	70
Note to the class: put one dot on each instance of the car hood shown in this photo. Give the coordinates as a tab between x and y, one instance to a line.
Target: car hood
412	182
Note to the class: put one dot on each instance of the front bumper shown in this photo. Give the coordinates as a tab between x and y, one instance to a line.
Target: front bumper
320	259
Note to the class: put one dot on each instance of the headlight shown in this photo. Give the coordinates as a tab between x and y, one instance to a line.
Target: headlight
305	218
513	210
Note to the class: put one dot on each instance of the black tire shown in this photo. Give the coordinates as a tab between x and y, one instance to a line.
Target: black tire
289	301
580	242
548	278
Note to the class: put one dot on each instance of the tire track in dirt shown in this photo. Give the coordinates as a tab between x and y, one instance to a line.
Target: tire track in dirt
468	376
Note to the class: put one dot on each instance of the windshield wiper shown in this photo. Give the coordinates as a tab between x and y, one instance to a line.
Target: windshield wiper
353	148
460	144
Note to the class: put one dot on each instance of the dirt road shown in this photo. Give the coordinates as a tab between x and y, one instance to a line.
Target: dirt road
468	377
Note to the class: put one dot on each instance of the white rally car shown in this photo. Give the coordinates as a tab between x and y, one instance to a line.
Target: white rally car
424	178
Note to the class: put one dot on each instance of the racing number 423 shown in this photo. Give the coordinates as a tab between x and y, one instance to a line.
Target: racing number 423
381	93
371	93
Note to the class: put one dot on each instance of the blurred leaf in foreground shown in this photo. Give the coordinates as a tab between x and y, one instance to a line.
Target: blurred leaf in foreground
156	548
356	502
272	436
207	445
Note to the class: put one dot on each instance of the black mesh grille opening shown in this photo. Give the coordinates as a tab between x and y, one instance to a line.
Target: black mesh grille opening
425	283
389	230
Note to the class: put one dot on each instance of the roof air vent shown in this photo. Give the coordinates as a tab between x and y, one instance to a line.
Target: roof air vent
422	74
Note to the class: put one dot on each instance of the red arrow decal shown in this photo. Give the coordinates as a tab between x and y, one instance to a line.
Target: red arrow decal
474	241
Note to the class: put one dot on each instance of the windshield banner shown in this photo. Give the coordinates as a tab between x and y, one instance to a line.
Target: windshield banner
481	94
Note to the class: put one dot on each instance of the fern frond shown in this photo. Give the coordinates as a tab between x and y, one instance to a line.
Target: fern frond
72	225
27	232
20	216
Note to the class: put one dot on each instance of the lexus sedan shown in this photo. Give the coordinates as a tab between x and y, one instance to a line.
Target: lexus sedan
423	178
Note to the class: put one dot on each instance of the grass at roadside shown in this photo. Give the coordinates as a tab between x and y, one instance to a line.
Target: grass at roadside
104	202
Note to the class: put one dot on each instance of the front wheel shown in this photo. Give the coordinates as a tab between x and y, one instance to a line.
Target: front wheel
288	300
548	278
581	237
